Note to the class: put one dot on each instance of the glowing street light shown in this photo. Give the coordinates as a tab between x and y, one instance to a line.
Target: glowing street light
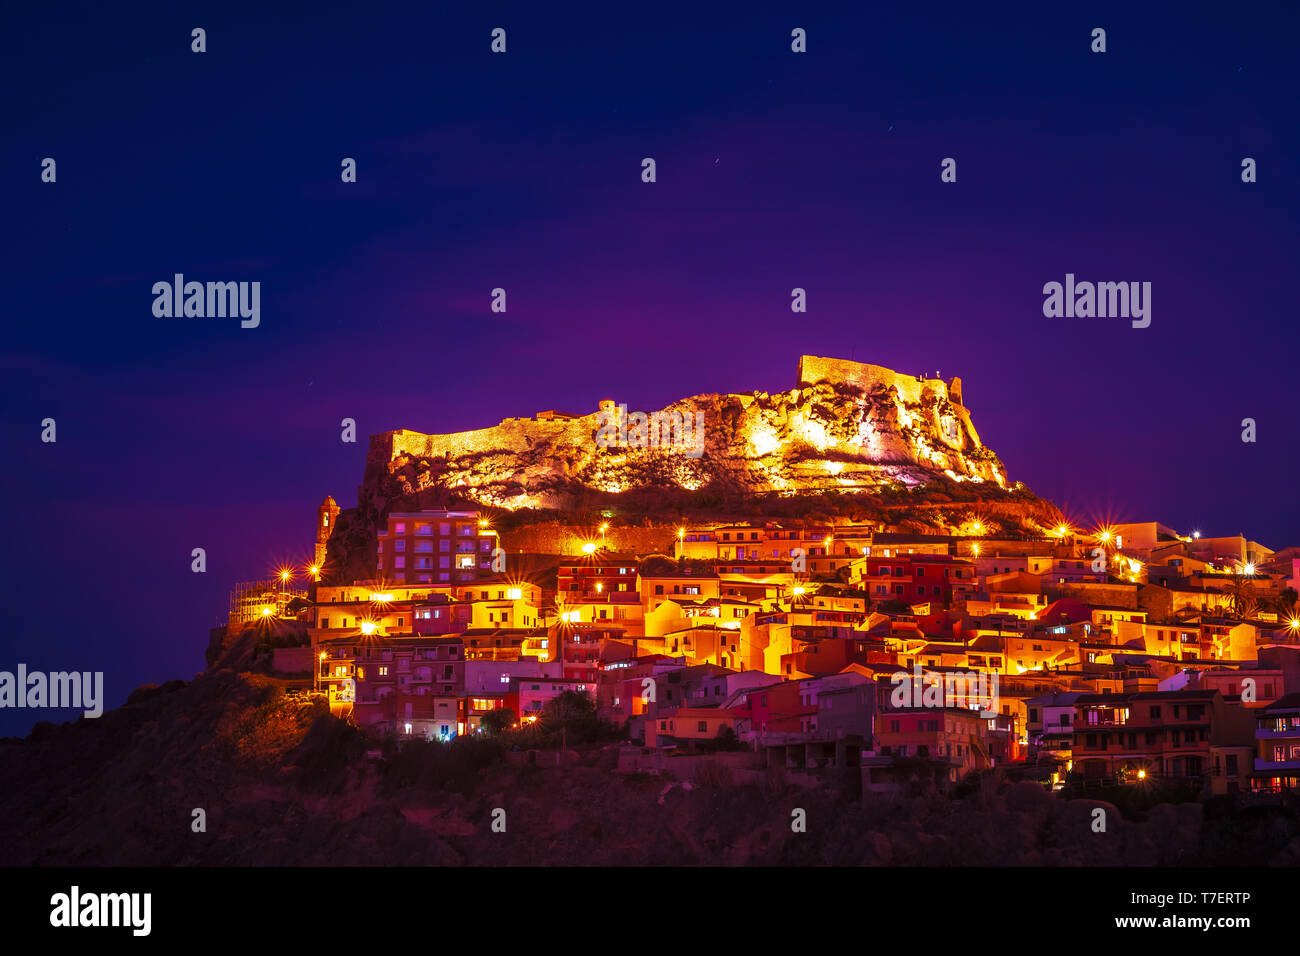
1248	569
314	571
367	627
589	548
266	612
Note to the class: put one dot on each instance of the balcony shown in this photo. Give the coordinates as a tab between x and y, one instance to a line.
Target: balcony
1268	766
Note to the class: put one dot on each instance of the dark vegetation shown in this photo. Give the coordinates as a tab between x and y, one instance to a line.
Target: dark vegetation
284	783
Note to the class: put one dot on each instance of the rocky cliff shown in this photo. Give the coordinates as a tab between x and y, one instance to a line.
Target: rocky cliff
845	426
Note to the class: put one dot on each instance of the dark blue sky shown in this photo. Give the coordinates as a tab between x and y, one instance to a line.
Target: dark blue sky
522	171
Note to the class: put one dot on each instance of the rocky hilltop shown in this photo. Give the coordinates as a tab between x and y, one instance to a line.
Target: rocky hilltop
845	426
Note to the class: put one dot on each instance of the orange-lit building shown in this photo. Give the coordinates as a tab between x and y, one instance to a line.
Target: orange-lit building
954	737
1134	736
1277	741
689	725
916	578
434	547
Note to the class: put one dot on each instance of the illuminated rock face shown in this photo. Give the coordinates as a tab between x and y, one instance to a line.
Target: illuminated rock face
846	426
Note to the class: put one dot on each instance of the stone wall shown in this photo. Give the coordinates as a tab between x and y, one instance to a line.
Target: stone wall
1112	595
815	368
913	390
813	437
555	538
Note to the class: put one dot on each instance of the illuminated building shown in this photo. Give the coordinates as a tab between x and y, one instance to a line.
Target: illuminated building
435	547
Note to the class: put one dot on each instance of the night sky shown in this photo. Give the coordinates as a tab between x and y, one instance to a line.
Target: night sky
775	170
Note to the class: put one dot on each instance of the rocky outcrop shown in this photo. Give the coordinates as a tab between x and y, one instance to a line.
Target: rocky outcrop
846	427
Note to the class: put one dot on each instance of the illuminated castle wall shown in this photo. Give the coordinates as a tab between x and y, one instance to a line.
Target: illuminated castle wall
884	426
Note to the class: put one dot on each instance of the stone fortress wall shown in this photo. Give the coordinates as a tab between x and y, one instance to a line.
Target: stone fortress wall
913	390
517	435
814	369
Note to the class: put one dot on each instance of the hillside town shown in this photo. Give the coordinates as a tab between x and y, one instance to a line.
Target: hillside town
1124	655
